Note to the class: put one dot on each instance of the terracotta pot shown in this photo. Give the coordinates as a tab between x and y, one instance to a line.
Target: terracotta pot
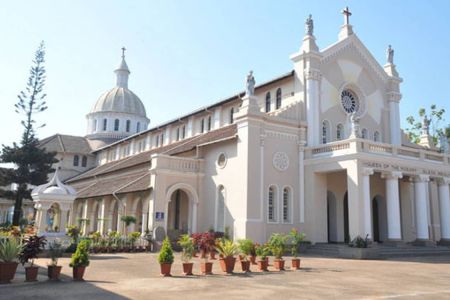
165	270
240	257
212	255
78	273
203	254
267	260
206	268
53	272
278	264
262	265
252	259
7	271
187	268
245	265
31	273
296	263
227	264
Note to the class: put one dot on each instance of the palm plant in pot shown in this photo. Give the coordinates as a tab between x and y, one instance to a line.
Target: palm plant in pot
227	250
55	251
32	246
133	237
165	257
10	249
245	247
80	260
277	245
187	245
128	220
296	238
262	251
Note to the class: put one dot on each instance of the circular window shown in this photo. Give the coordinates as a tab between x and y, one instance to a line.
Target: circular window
349	101
222	160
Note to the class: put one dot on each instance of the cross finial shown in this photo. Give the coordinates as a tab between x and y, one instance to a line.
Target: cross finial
123	52
346	12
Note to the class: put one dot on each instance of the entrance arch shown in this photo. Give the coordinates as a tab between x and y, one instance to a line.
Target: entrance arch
346	230
332	218
379	217
181	208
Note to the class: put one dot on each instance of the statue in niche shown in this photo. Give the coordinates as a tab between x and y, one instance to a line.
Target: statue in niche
390	55
250	84
309	26
50	218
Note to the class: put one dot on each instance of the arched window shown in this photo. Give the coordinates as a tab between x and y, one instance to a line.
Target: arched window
95	126
286	205
271	205
202	126
76	161
157	140
231	115
178	133
138	127
325	132
183	132
127	126
162	139
116	125
220	209
105	124
376	136
340	132
84	161
268	102
209	123
278	99
364	133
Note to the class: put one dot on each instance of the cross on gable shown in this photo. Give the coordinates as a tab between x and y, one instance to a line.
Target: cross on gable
123	52
346	12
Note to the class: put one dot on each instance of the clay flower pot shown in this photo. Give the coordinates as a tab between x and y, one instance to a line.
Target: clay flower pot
206	268
78	273
296	263
227	264
53	272
262	265
31	273
245	265
165	269
278	264
252	259
187	268
212	255
7	271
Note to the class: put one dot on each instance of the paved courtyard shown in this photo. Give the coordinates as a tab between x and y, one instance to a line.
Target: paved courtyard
136	276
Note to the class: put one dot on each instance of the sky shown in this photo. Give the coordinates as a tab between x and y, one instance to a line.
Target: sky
186	54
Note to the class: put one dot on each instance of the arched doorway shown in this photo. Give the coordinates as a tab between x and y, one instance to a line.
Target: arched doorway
346	230
379	219
332	218
376	221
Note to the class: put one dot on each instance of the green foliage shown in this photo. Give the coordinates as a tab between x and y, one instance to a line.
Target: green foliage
277	244
187	244
81	256
166	254
246	247
128	220
33	245
133	236
360	242
262	251
73	232
227	248
32	162
10	249
436	118
296	238
55	251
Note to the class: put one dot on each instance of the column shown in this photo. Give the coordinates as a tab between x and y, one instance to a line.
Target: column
101	223
366	172
194	217
421	210
63	220
444	208
41	220
393	205
301	176
394	118
144	221
312	77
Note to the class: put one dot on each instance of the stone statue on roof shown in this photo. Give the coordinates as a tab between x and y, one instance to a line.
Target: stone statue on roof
354	122
390	55
309	26
250	84
425	124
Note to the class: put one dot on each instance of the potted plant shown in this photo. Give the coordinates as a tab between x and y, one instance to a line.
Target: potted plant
128	220
262	252
296	239
227	250
277	245
187	245
134	236
165	257
80	260
206	266
245	247
32	246
10	249
55	252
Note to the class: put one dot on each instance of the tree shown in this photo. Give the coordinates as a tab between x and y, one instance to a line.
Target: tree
32	164
435	117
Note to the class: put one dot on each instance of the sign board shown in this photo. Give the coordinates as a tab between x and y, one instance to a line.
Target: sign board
159	216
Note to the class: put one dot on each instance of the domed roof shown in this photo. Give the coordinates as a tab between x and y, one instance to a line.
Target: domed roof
120	99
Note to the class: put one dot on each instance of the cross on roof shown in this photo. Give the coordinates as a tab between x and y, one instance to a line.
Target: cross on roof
123	52
346	12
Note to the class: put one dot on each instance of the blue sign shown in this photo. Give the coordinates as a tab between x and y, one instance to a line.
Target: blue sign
159	216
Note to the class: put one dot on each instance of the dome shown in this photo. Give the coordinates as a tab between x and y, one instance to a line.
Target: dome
120	99
55	190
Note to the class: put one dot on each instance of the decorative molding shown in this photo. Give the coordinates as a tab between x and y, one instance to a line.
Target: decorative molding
280	161
392	175
312	74
281	135
443	181
367	171
420	178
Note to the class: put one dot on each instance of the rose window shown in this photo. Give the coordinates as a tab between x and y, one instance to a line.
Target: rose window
349	102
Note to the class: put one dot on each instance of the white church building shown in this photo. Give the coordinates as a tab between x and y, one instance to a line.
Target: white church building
319	148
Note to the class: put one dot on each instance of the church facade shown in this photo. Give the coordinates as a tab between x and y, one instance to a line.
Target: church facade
319	148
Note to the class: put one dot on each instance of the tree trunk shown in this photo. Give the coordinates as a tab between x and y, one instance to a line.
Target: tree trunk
17	209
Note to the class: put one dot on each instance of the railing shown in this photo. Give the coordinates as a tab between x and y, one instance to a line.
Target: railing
331	148
181	164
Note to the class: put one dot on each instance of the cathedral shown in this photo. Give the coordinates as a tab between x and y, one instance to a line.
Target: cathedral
319	148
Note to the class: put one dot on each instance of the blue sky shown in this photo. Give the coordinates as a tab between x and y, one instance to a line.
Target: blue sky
188	54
